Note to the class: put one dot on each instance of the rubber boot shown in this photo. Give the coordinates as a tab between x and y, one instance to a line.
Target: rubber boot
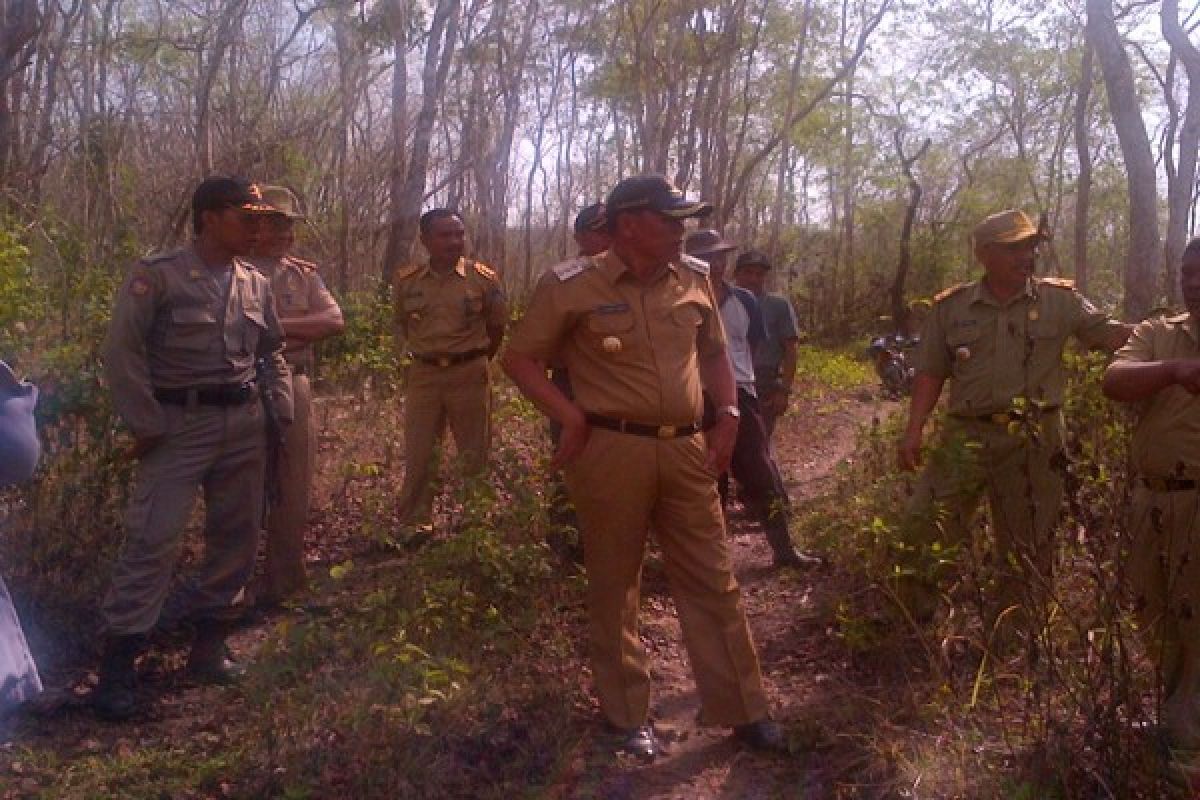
209	662
115	698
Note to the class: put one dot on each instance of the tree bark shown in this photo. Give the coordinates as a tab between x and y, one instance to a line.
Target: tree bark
1083	151
1143	257
1181	172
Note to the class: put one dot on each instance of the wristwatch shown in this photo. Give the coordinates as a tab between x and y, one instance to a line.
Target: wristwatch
732	411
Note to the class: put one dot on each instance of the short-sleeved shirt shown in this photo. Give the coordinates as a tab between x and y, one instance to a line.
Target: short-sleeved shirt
179	323
442	313
993	353
1166	441
744	331
299	292
632	349
779	319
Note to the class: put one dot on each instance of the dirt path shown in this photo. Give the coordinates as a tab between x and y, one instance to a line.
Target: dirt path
701	763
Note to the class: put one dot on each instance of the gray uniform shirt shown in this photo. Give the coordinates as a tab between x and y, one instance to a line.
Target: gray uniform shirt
175	327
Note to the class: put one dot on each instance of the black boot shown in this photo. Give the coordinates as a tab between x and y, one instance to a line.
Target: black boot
114	697
786	554
209	661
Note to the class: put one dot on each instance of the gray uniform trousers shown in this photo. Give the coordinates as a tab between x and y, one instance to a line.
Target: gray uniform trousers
222	451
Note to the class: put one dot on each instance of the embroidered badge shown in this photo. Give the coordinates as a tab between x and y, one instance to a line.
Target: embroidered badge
1033	315
962	354
611	344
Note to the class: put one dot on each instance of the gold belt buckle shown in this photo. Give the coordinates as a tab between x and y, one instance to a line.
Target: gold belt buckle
444	361
1001	418
667	431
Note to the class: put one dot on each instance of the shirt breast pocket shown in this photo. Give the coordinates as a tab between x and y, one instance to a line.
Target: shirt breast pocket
192	328
611	334
964	346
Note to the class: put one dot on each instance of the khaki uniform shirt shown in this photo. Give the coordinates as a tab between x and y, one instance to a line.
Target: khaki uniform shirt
441	314
299	292
1166	442
173	327
631	349
994	353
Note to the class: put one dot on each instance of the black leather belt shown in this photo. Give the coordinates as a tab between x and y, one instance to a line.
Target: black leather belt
230	394
448	359
641	429
1005	417
1169	484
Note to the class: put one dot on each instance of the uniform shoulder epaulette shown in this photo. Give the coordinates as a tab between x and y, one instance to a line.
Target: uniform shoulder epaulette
308	266
403	273
1062	283
953	290
695	264
569	269
1178	318
486	271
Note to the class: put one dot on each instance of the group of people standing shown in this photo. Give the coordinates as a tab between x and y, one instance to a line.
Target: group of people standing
660	376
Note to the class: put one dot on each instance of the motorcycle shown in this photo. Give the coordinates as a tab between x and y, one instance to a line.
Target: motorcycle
889	354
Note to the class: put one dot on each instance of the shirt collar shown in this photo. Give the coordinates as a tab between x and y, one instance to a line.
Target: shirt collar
980	294
612	267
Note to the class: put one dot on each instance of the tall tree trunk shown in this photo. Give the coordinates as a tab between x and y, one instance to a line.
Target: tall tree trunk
1083	151
20	23
1143	258
406	204
899	309
1181	173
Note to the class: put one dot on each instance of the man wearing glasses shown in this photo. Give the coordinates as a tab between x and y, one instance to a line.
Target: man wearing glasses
998	341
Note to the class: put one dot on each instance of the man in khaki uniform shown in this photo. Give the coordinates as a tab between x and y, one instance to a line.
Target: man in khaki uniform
450	314
308	313
1158	371
179	358
639	331
999	342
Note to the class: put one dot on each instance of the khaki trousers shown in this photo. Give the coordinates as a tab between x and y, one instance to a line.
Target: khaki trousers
459	396
219	450
283	564
1164	576
623	485
1021	473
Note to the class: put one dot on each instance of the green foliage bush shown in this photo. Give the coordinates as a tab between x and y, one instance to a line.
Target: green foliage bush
1073	713
365	352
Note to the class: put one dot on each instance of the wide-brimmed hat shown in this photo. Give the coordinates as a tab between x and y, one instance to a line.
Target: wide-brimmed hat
705	242
653	193
1005	227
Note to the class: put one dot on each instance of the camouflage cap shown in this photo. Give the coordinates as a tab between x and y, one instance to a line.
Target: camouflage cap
280	200
1005	227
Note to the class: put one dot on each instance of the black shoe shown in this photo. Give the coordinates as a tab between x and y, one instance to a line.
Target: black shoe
209	661
762	735
115	698
796	560
639	742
